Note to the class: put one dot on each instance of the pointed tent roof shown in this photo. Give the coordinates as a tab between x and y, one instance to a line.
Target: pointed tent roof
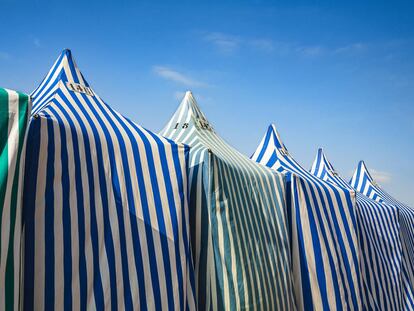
363	181
63	72
324	169
201	134
128	187
337	243
274	153
243	206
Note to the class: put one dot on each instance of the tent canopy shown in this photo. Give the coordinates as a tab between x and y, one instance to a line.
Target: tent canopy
105	205
324	236
237	219
379	243
362	181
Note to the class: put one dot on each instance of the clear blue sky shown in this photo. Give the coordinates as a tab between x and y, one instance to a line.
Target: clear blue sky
339	77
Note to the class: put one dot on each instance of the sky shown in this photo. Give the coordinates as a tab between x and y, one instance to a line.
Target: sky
337	76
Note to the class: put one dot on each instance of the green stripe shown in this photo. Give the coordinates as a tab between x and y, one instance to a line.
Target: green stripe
23	115
4	124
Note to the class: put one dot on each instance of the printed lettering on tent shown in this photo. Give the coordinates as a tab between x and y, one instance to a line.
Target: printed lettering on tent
379	244
14	112
364	183
237	220
324	243
105	205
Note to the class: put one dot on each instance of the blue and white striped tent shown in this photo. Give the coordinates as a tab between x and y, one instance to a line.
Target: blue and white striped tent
364	183
323	233
105	205
379	244
237	220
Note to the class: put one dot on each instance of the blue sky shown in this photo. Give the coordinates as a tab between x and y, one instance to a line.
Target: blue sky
335	76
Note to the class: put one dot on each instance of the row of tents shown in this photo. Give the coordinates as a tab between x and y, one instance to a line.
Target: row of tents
97	212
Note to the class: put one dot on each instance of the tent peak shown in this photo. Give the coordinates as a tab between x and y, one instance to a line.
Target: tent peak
362	169
324	169
361	173
187	114
362	164
277	141
64	69
63	72
321	164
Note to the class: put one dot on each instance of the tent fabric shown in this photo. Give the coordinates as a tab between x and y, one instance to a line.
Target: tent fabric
364	183
105	205
379	243
14	112
323	233
237	221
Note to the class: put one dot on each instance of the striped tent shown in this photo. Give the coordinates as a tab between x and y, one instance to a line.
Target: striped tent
237	221
379	244
323	233
364	183
14	111
105	205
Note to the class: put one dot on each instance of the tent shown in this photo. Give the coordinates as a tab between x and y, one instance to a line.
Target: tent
105	205
237	220
323	233
364	183
14	111
379	244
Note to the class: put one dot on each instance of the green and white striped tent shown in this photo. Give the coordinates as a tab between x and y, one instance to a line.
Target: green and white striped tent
14	110
238	224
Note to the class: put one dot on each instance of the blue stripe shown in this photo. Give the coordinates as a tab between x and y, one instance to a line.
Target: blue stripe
49	221
66	219
80	203
29	199
109	243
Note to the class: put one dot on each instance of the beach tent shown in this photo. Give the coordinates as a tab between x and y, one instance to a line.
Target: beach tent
363	182
237	220
105	205
379	244
14	112
323	233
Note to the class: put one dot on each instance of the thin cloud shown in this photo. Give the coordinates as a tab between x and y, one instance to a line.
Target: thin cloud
351	48
266	45
228	44
177	77
223	42
311	51
379	176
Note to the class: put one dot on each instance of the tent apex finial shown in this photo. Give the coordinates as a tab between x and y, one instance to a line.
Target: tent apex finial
321	152
67	51
272	127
